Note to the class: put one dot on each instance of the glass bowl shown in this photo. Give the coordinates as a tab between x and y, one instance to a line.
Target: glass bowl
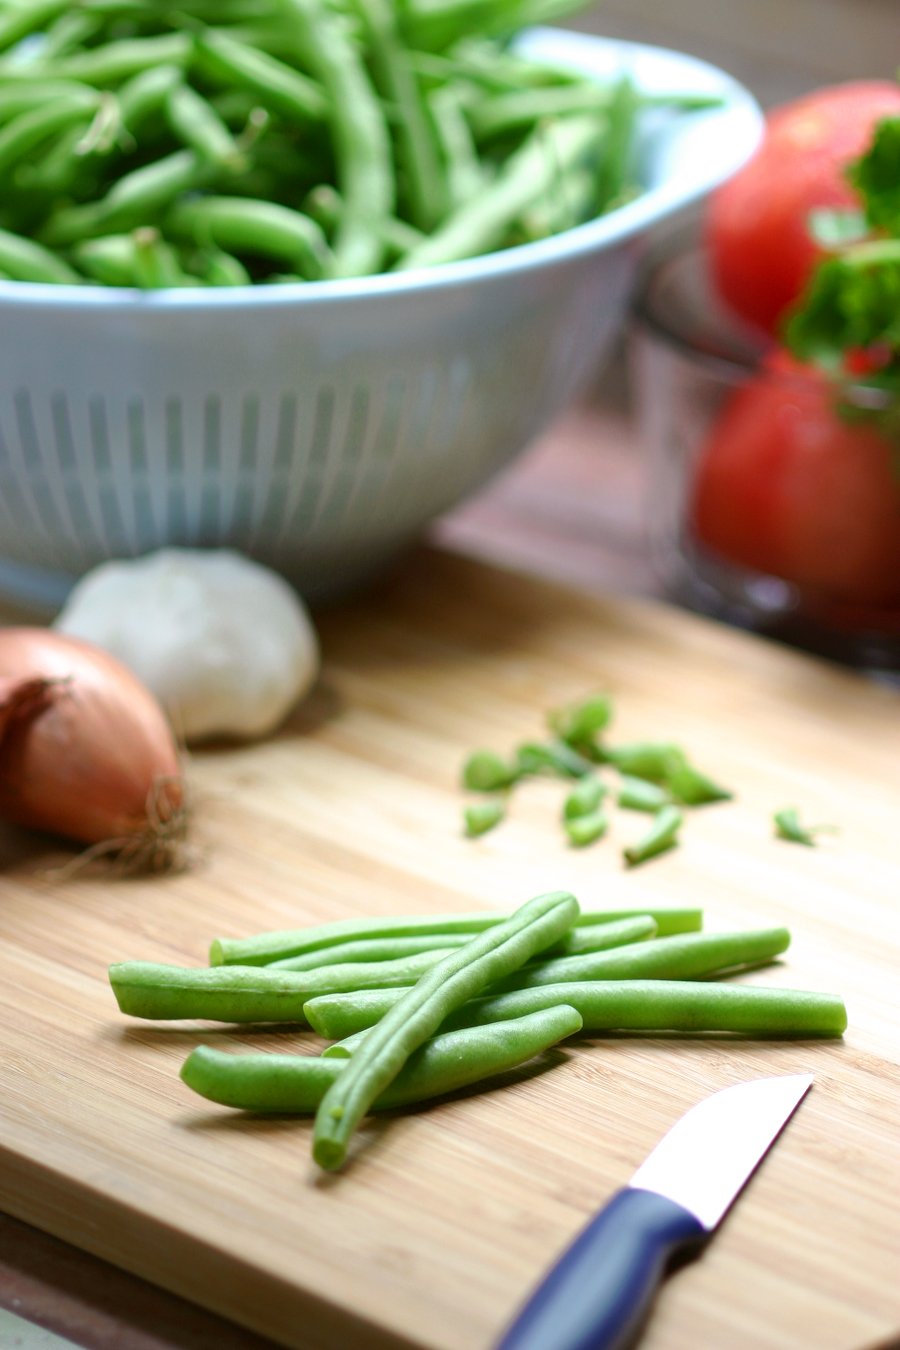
751	519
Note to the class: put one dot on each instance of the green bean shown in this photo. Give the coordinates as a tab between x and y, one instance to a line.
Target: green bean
144	95
156	264
52	170
282	944
398	236
68	33
22	98
465	174
584	798
437	24
262	948
444	1064
668	920
640	794
346	1047
479	817
218	268
594	937
586	829
453	981
110	65
419	161
198	126
109	260
278	85
599	937
249	993
662	835
579	723
574	204
622	1005
22	20
683	957
27	131
260	228
557	757
519	109
370	949
336	1016
359	133
678	1005
618	146
686	956
323	204
136	199
23	260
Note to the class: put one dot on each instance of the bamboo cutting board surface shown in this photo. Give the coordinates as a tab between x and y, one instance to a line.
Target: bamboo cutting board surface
446	1216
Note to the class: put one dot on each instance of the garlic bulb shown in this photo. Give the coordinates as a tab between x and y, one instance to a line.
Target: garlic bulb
225	644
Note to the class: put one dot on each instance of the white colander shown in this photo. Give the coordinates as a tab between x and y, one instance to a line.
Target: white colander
319	427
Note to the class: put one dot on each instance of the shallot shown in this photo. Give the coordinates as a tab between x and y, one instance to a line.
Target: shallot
86	751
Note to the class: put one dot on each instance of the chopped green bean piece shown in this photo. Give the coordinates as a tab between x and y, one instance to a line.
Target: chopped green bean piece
645	759
693	788
663	835
557	757
586	829
585	797
479	817
580	723
789	826
640	794
485	771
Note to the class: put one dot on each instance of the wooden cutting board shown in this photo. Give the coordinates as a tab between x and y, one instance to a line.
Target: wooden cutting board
447	1216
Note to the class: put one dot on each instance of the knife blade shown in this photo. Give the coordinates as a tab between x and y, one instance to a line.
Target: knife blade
598	1294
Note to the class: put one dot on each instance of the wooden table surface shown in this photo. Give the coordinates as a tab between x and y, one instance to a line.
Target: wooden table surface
570	511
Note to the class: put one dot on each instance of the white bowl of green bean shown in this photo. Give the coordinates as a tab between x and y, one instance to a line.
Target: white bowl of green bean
306	395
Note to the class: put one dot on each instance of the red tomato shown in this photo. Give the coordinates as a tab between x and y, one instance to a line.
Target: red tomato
786	486
761	251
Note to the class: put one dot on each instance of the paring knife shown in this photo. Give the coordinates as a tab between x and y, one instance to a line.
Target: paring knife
597	1295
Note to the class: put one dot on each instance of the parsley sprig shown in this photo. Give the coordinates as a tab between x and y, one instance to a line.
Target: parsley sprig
847	322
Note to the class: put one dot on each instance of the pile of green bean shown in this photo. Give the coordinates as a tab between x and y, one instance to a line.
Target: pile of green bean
416	1007
236	142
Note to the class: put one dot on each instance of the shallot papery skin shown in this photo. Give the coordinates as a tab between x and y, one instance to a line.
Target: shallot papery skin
86	751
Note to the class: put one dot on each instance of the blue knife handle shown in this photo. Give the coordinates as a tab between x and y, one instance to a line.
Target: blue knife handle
597	1295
